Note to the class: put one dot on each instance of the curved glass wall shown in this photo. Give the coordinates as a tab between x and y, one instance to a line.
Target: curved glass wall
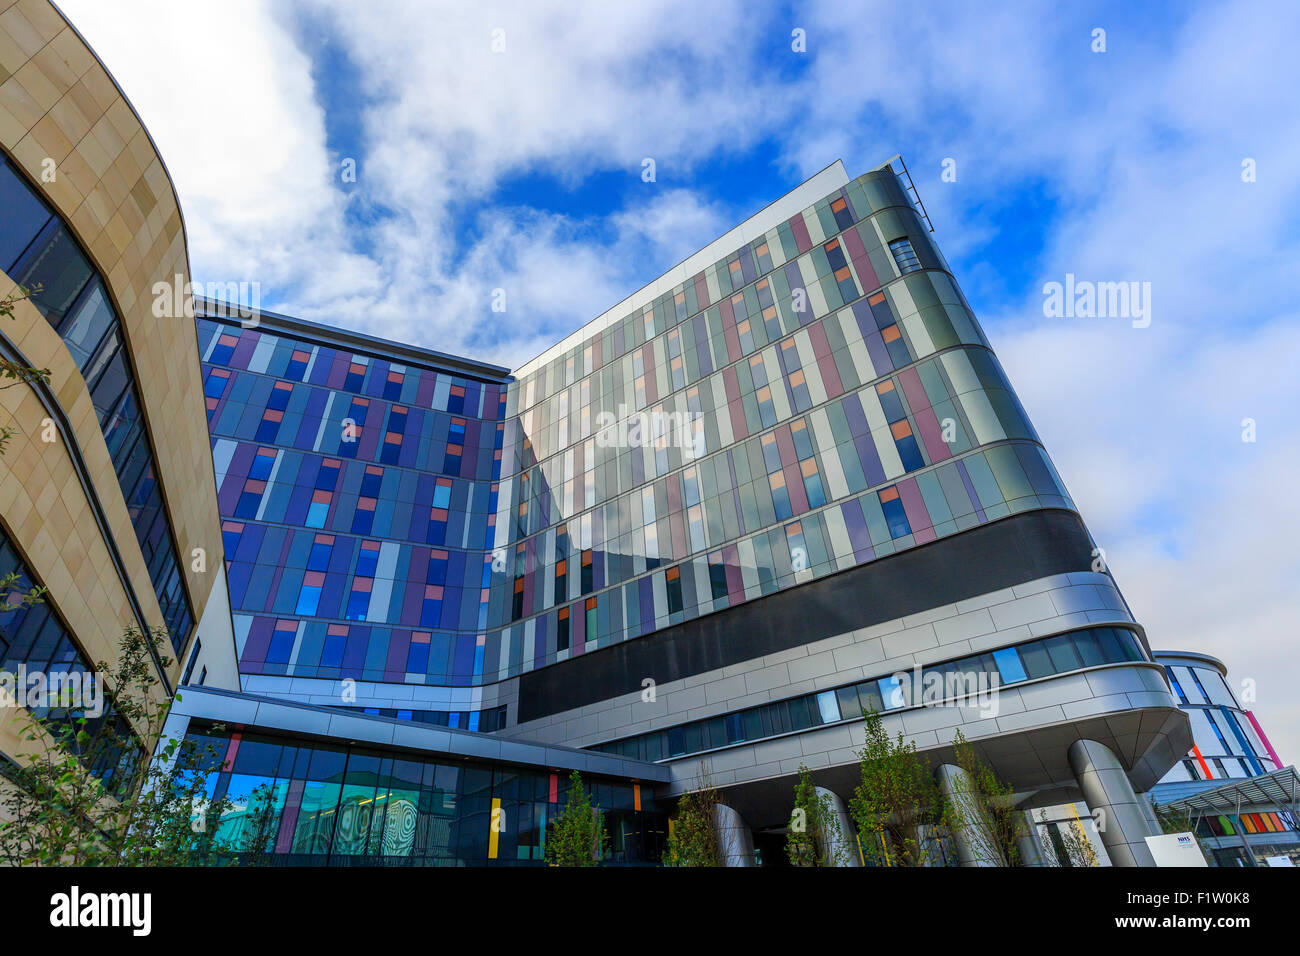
298	802
1227	739
39	250
35	645
969	677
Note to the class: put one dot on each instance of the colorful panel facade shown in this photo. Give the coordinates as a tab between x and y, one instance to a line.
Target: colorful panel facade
358	498
802	407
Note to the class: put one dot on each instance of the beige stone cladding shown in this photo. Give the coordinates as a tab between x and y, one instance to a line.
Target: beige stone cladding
60	110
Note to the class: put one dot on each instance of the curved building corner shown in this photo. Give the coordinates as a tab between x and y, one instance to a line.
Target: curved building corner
106	490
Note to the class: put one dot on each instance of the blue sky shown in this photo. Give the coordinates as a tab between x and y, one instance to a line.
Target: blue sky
521	170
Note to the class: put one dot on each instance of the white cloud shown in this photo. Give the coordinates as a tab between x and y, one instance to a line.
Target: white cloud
227	96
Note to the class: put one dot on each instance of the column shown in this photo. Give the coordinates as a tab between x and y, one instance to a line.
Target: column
970	835
1031	851
847	842
735	840
1241	833
1123	824
1149	813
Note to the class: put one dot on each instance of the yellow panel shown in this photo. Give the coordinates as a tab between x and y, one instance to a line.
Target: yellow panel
495	828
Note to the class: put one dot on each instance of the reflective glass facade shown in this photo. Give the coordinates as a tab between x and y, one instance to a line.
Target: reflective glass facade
38	250
1229	742
1229	746
731	512
34	639
333	805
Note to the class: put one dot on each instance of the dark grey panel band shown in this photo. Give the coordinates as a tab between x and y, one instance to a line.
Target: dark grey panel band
1010	551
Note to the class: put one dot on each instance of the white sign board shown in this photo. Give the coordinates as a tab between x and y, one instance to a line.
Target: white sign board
1278	861
1176	849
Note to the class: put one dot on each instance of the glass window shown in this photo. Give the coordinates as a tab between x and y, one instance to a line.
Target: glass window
1010	670
1036	661
673	585
106	393
676	741
359	826
653	747
1108	643
401	810
1226	738
56	264
892	693
1085	645
714	733
88	325
1214	685
802	713
24	216
904	255
253	820
1061	650
323	764
694	738
1129	645
828	707
260	757
1173	681
315	825
308	601
735	725
848	701
869	697
215	384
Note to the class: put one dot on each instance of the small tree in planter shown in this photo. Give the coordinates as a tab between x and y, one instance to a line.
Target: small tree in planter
814	837
576	837
896	799
693	832
983	806
1068	842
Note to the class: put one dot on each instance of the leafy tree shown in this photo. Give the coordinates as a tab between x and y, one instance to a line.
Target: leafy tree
576	837
1070	844
693	833
261	824
896	799
814	837
982	807
1172	820
87	794
10	595
16	372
